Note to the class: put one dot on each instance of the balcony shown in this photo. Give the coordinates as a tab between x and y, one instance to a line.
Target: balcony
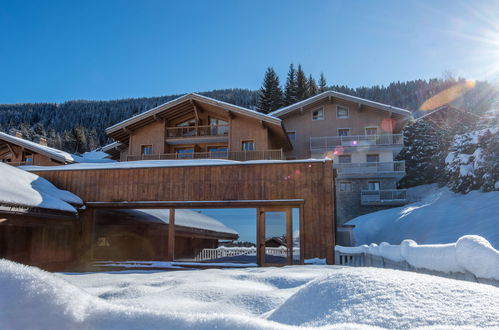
383	197
327	143
273	154
197	134
367	170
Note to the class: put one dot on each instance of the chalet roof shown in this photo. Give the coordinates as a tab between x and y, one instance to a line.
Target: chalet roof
55	154
150	115
296	106
21	189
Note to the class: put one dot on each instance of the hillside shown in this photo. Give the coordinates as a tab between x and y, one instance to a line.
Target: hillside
78	126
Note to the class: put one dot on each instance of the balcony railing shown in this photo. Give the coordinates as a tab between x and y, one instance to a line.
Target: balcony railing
192	131
383	197
275	154
330	142
370	168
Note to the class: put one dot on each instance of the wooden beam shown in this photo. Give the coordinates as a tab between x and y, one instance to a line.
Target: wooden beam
11	150
196	204
126	130
87	235
360	107
171	236
260	237
301	111
330	98
196	115
289	235
230	114
262	123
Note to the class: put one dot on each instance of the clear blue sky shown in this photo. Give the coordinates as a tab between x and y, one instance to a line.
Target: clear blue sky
61	50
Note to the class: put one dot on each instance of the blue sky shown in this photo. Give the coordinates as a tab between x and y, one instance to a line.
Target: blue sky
52	51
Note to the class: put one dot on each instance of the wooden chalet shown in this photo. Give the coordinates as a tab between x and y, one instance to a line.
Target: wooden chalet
16	151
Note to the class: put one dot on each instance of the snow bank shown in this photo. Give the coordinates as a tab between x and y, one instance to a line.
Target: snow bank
440	217
470	253
24	189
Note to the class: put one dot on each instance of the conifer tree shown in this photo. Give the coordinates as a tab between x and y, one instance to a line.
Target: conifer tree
322	83
290	89
301	84
312	86
270	96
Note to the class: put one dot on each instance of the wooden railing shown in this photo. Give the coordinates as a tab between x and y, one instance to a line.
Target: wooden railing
370	167
190	131
383	197
329	142
273	154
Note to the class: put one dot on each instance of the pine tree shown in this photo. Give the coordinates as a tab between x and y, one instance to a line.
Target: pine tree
290	89
322	83
270	96
301	84
312	87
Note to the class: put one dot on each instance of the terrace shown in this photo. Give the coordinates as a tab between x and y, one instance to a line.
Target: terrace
325	143
369	169
383	197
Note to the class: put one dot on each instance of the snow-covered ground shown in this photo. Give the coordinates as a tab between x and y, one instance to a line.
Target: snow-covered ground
258	298
440	216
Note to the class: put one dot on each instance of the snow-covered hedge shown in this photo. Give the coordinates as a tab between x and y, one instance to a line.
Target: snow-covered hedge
470	253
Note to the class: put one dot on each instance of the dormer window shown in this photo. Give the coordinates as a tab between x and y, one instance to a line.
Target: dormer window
318	114
341	112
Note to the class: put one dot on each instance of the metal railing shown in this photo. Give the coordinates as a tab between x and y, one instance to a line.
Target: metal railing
191	131
273	154
223	252
328	142
370	167
383	197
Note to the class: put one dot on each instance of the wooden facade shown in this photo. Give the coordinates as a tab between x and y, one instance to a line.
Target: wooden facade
304	184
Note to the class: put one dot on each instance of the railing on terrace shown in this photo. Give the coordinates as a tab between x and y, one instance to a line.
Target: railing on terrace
330	142
192	131
273	154
223	252
383	197
370	167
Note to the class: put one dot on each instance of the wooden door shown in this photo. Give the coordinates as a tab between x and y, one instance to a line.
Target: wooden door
274	236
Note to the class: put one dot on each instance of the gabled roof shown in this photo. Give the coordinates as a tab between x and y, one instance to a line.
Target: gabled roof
55	154
194	97
346	97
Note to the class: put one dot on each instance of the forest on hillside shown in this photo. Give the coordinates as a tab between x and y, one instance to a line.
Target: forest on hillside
78	126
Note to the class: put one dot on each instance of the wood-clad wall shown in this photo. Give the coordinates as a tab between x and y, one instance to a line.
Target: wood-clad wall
310	181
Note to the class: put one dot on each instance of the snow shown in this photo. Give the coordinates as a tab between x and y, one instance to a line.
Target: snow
57	154
250	298
189	218
24	189
440	217
160	163
439	257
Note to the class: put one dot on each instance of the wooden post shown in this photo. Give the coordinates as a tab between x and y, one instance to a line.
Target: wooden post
171	236
87	235
289	235
260	237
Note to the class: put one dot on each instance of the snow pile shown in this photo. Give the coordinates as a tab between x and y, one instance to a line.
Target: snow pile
470	253
440	217
473	162
30	145
19	188
261	298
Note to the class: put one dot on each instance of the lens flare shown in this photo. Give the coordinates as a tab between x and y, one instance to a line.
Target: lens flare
448	95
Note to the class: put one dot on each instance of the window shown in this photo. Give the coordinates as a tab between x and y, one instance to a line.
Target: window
187	123
318	114
343	131
146	150
292	136
184	153
345	186
218	152
373	185
371	131
374	158
187	128
341	112
218	126
345	159
248	145
28	158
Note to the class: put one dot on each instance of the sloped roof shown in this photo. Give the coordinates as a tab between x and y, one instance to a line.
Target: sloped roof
58	155
342	96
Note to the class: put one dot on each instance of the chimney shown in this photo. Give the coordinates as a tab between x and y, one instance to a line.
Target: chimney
42	141
19	135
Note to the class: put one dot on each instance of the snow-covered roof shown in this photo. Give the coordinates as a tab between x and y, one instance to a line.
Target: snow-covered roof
161	163
189	219
111	145
53	153
196	97
21	189
377	105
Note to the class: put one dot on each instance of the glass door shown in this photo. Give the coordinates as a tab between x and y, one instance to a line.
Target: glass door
275	237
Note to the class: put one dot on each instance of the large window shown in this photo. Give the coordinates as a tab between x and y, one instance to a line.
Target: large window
373	185
373	158
184	153
146	149
218	126
343	131
186	128
341	112
318	114
218	152
248	145
345	186
345	159
371	131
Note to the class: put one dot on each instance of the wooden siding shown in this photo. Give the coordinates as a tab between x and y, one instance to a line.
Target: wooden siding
310	181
